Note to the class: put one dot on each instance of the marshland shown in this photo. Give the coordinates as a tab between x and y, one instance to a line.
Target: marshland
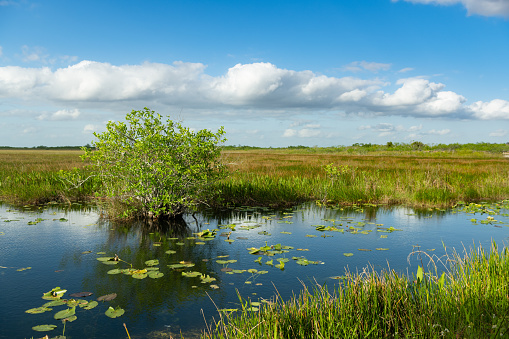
399	240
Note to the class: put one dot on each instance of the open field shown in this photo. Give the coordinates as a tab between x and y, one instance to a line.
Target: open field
281	177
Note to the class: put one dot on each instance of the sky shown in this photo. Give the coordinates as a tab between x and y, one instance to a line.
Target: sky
274	73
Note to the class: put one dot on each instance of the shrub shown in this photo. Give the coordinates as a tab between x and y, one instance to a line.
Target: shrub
153	168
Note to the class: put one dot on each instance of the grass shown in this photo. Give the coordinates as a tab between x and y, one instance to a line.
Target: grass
471	300
282	177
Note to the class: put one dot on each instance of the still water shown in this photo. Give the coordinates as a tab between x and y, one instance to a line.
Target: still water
56	246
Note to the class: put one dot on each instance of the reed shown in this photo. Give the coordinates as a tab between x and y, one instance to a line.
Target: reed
275	177
470	300
282	177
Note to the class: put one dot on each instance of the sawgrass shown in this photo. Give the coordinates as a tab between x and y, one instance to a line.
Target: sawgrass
469	301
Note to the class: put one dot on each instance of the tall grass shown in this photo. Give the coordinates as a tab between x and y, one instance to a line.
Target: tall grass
290	176
32	176
273	177
470	301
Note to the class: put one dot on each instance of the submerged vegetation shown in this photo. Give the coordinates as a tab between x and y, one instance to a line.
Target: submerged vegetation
282	177
469	299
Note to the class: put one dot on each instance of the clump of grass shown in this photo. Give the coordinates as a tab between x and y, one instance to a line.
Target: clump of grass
470	300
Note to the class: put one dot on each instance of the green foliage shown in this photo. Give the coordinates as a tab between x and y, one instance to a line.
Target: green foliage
151	167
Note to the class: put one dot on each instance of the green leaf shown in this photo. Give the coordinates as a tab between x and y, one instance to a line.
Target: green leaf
44	328
38	310
420	274
152	262
90	305
347	254
65	313
114	312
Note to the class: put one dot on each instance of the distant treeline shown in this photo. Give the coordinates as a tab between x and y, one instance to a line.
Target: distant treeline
357	147
391	146
64	148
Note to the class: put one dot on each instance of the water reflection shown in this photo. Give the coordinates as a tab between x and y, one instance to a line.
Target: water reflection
63	248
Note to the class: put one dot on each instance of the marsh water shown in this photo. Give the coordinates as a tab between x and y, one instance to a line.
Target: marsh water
59	246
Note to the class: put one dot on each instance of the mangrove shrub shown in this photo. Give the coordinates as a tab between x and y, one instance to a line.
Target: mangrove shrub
152	168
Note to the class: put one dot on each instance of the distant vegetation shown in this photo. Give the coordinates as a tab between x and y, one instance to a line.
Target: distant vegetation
357	147
389	147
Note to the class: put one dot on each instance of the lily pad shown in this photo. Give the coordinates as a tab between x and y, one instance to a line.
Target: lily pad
65	313
347	254
382	249
206	279
107	297
54	303
170	252
38	310
90	305
114	312
155	274
81	294
191	274
44	328
115	271
140	275
152	262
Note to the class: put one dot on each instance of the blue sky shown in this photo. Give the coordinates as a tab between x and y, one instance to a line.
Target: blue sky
273	73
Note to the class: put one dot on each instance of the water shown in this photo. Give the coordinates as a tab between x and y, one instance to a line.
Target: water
57	250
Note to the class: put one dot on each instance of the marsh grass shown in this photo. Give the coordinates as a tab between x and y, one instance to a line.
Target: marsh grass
278	178
274	177
470	301
32	176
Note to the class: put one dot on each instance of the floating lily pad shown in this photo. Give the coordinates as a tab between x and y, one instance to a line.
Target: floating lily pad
205	279
44	328
140	275
347	254
152	262
114	312
170	252
70	319
364	249
191	274
155	274
214	287
81	294
65	313
90	305
38	310
55	293
107	297
54	303
382	249
115	271
284	232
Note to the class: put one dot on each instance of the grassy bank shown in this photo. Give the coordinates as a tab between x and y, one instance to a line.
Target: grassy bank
281	177
471	300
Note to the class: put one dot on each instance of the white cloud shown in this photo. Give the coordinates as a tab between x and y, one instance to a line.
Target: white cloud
258	89
439	132
495	109
499	133
404	70
289	133
63	114
480	7
90	128
358	66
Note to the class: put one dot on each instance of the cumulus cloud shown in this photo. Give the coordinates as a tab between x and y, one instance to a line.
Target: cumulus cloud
494	109
480	7
258	87
308	131
63	114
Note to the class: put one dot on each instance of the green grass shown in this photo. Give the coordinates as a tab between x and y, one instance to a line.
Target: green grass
282	177
470	301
